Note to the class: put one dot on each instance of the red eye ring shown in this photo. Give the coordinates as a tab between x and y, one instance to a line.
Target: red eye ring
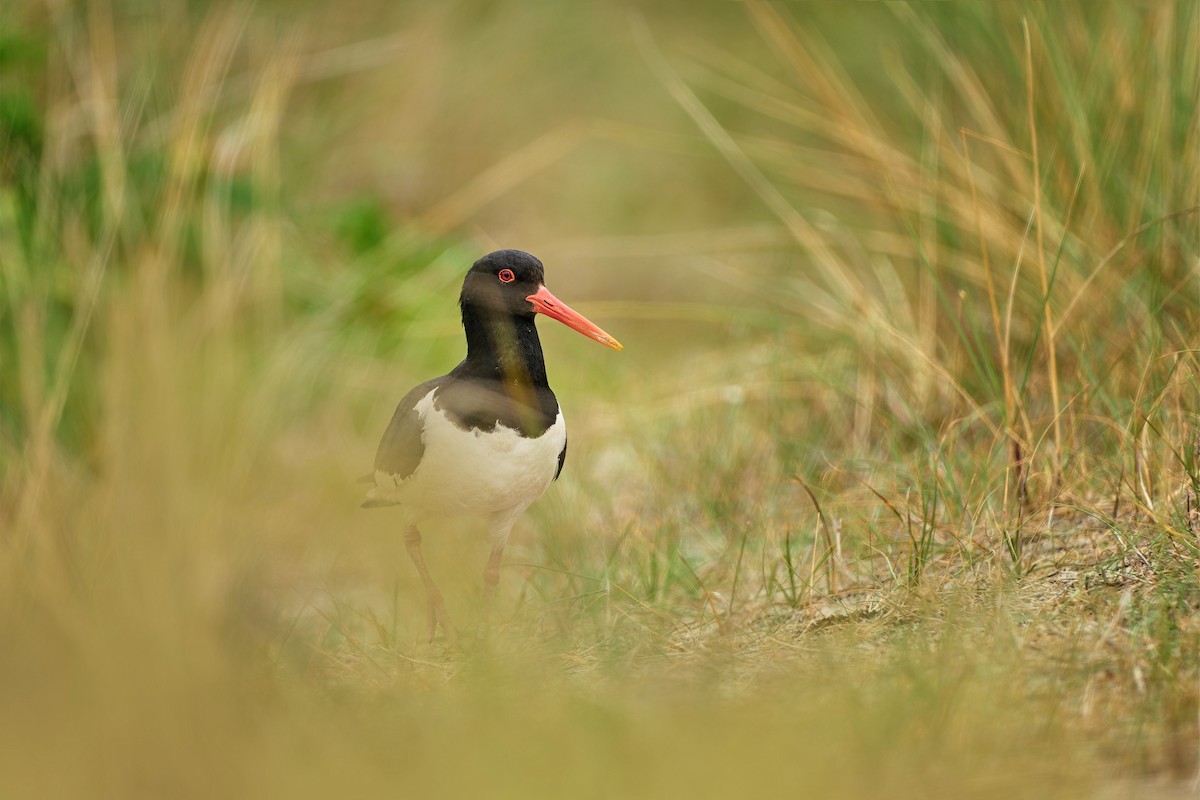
507	276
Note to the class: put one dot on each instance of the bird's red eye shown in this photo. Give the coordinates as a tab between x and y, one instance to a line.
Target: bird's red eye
507	275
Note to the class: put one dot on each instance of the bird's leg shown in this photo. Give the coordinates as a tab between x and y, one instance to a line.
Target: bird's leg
491	577
501	527
437	606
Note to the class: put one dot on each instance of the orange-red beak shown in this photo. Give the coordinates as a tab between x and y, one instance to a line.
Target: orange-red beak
551	306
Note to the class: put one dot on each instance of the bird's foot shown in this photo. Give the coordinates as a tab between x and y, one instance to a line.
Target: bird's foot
439	616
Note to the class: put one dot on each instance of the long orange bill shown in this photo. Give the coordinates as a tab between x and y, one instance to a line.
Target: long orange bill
551	306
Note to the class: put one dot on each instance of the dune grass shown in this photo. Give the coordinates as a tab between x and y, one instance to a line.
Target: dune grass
894	490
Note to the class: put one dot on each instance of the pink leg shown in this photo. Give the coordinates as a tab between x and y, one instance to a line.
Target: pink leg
501	526
437	606
491	577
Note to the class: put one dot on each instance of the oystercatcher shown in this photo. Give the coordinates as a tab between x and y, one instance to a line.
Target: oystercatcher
488	438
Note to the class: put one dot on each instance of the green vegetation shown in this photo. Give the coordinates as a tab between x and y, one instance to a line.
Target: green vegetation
894	491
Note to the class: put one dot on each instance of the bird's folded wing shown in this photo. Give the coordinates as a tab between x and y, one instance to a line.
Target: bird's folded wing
403	444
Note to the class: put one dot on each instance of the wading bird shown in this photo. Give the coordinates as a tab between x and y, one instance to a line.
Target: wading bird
488	438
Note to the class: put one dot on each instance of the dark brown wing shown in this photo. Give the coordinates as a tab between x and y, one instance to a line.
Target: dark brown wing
562	458
403	442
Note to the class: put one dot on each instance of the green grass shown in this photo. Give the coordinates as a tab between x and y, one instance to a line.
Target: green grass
907	502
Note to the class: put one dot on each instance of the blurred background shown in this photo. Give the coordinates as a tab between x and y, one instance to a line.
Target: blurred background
894	488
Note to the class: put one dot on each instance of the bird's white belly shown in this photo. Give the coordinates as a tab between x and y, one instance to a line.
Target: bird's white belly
474	472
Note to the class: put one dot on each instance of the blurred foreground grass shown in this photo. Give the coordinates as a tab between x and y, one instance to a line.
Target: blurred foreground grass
893	491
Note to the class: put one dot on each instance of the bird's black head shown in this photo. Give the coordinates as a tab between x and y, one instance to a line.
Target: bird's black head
511	283
501	282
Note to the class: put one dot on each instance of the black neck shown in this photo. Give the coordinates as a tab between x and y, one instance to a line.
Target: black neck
502	347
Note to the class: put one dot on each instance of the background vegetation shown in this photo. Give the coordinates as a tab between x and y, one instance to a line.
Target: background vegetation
893	490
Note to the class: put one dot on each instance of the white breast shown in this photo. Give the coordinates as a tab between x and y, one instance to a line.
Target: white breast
474	472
